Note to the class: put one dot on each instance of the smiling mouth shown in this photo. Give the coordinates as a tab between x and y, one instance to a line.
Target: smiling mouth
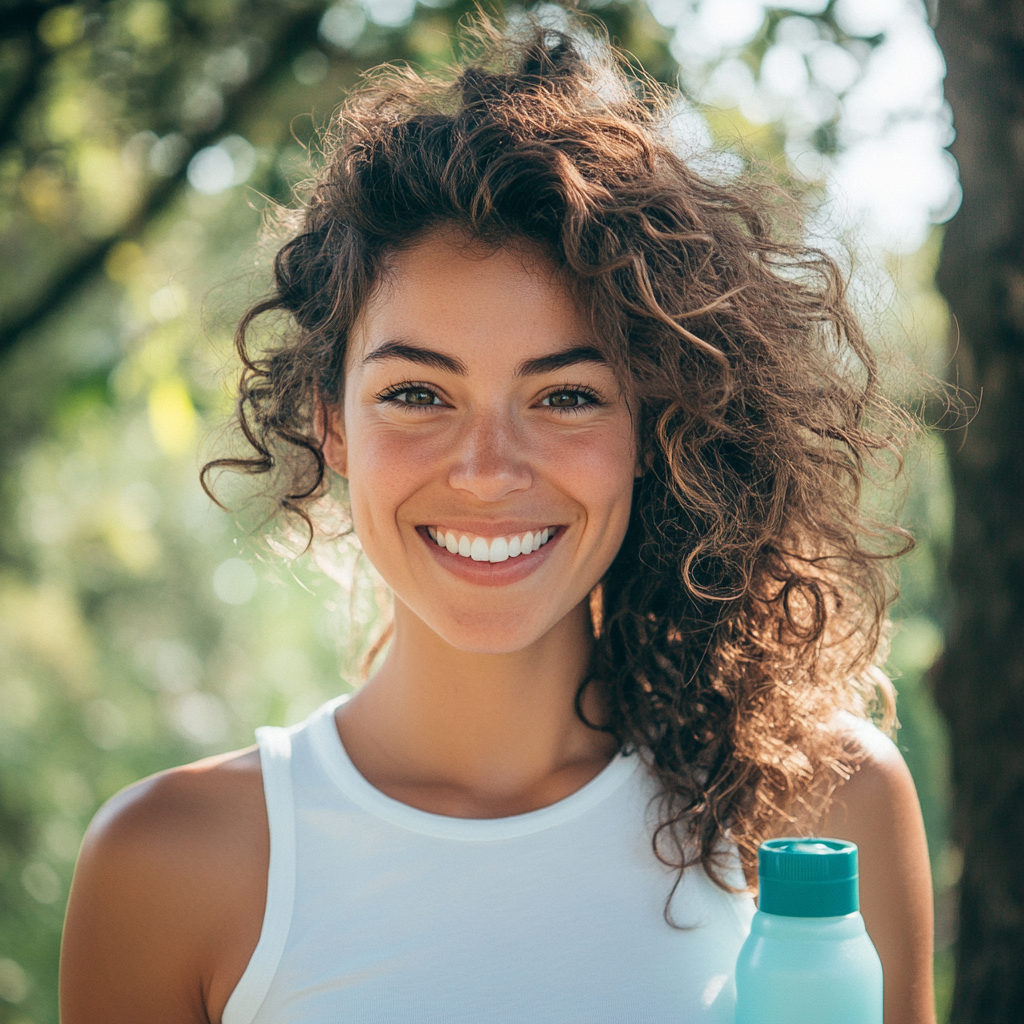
490	549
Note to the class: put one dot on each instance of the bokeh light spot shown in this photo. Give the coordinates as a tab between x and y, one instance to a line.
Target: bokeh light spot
14	982
41	882
234	581
201	717
216	168
61	26
389	13
172	417
310	67
342	25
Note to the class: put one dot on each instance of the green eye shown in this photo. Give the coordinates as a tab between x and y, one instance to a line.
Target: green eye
417	396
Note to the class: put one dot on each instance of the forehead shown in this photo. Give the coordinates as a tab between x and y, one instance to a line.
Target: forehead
480	303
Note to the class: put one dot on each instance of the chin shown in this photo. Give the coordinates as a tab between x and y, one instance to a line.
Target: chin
488	641
492	633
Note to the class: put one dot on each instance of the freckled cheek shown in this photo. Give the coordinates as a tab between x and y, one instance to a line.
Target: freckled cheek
385	467
599	474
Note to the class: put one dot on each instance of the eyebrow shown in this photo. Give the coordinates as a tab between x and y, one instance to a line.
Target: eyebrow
440	361
559	360
415	354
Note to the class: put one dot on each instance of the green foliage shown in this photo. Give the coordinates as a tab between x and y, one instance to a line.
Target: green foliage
140	627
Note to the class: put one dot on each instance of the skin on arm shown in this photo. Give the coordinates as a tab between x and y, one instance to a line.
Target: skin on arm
878	810
168	897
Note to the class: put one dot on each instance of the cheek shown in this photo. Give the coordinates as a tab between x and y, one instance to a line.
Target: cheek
385	466
601	470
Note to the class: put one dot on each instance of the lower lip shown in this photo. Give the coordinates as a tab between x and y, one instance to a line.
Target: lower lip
491	574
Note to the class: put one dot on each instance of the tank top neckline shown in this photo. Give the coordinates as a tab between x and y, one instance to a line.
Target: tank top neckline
334	760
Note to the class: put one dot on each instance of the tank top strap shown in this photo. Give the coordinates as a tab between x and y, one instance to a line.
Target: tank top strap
275	746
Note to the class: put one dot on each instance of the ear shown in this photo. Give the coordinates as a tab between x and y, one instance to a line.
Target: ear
329	424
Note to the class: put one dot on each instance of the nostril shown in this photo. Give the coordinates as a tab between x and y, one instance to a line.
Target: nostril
490	478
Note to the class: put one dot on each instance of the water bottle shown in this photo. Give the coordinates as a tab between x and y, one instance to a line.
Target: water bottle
808	958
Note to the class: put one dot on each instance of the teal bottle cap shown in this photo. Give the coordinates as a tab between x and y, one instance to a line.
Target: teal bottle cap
807	877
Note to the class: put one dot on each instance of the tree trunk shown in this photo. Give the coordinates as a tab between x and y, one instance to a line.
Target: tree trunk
979	683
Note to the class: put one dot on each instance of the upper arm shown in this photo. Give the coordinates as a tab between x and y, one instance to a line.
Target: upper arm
167	901
878	810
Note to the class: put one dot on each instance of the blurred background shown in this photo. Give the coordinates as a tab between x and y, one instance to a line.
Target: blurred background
140	143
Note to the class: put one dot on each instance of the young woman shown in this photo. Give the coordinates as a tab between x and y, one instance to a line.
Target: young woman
603	426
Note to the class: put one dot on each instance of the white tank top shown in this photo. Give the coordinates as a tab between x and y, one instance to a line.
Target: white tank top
379	913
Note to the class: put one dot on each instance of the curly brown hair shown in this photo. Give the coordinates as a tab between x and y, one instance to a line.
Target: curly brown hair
747	603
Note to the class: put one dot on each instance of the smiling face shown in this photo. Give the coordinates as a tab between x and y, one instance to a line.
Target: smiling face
488	447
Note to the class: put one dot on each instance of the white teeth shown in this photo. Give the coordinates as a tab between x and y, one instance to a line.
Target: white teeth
499	549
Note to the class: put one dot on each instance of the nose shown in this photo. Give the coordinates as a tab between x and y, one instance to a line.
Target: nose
489	459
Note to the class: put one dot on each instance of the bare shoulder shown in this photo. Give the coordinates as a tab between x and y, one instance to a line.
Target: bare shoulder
881	784
168	897
176	808
878	809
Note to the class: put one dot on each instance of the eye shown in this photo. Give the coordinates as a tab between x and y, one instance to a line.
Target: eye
416	395
569	398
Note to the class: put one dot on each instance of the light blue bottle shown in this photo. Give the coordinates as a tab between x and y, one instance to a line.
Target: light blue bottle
808	958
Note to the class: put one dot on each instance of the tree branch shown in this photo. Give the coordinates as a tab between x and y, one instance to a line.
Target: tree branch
22	18
24	90
296	34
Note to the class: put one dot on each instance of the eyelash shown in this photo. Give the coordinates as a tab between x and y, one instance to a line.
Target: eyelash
592	397
391	394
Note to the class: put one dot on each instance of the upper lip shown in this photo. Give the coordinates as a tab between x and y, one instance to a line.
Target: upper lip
503	528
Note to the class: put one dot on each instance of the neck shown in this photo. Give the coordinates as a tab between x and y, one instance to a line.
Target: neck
477	735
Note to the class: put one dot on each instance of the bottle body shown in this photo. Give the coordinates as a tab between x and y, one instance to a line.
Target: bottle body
808	970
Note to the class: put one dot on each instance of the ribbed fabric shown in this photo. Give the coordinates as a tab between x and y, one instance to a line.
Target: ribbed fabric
379	913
